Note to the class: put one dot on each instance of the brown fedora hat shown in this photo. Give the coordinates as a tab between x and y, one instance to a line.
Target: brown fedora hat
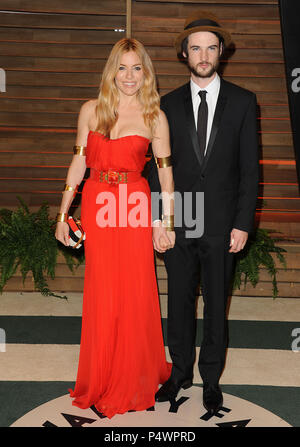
201	21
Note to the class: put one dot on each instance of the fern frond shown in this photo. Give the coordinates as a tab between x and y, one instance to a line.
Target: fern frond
256	255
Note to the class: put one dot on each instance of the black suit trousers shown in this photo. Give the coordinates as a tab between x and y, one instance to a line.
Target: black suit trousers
183	264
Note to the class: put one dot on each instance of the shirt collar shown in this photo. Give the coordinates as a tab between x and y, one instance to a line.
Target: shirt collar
212	88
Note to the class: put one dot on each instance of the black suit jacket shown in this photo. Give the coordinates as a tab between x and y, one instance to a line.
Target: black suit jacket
229	173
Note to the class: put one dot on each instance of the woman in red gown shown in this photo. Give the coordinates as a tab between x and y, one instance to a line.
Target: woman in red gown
122	357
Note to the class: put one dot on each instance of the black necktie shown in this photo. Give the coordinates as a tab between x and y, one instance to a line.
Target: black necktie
202	122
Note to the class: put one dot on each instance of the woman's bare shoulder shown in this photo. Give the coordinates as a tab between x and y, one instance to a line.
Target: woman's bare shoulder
88	107
87	113
162	122
162	116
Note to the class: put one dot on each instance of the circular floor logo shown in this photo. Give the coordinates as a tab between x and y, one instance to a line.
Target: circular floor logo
186	411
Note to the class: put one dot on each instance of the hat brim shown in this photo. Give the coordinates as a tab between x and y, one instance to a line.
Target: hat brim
215	29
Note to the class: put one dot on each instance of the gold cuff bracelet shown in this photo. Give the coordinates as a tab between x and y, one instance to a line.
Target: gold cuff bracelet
168	222
79	150
163	162
62	217
169	228
70	188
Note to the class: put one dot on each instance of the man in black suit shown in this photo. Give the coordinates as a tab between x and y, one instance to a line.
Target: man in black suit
213	134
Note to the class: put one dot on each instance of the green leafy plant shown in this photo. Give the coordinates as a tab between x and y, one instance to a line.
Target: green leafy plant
256	255
27	241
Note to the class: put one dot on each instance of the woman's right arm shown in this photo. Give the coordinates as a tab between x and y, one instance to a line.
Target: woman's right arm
76	171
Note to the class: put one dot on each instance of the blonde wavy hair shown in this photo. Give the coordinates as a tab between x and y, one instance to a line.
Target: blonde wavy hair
108	99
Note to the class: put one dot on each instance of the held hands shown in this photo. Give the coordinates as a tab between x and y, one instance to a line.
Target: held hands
62	233
238	239
162	239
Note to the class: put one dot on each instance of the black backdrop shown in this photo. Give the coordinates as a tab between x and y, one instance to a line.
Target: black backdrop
290	29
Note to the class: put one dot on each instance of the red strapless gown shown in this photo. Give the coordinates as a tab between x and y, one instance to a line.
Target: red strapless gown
122	357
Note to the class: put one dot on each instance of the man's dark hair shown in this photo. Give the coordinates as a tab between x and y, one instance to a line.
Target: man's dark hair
184	43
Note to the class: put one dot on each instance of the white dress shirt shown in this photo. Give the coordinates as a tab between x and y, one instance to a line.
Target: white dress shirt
213	89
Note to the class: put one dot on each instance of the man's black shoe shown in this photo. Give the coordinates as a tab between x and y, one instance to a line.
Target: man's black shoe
170	389
212	398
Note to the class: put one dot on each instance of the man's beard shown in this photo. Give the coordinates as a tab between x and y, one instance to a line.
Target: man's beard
208	74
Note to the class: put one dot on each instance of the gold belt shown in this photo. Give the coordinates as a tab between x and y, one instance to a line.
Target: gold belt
114	177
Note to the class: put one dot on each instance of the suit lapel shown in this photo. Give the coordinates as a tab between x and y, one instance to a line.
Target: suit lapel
221	102
191	121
